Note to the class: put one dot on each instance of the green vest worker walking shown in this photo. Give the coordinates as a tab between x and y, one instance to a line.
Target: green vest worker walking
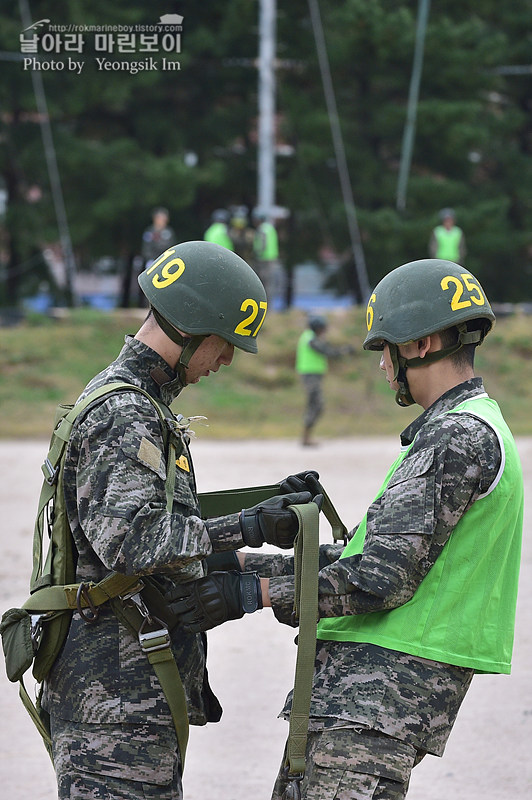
423	596
447	240
312	355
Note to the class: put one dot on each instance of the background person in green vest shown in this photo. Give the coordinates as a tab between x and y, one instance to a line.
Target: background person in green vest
218	230
424	594
265	251
447	240
312	355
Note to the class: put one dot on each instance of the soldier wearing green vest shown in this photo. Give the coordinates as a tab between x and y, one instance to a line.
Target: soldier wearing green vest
218	230
447	240
423	596
312	356
265	251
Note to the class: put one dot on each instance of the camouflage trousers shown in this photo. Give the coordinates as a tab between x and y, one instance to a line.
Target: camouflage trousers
314	403
353	764
116	762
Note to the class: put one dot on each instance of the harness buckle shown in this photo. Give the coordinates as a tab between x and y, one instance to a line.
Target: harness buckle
149	640
83	594
36	630
50	472
152	641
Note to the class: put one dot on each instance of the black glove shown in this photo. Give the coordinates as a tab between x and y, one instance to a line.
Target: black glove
306	481
222	562
220	596
272	521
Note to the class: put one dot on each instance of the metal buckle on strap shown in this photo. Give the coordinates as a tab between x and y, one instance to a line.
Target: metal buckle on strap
50	472
36	630
150	641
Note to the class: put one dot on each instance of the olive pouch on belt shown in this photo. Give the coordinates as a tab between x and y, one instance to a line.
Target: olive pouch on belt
15	629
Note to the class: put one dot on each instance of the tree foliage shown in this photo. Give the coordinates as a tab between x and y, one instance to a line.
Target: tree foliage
123	141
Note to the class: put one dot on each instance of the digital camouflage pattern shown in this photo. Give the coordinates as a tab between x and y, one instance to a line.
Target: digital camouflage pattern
411	699
134	761
114	479
353	764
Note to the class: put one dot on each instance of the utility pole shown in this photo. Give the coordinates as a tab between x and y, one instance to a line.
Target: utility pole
266	139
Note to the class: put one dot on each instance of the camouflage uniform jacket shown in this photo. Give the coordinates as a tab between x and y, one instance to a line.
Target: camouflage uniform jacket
361	684
115	496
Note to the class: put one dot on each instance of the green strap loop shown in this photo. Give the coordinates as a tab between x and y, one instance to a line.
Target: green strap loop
306	568
232	501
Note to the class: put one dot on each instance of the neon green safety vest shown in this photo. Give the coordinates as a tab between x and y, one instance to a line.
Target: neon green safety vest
463	611
265	243
217	233
448	242
308	360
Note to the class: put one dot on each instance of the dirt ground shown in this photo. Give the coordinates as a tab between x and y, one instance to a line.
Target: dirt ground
251	661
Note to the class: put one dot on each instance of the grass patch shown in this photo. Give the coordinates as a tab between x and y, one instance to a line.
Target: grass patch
44	362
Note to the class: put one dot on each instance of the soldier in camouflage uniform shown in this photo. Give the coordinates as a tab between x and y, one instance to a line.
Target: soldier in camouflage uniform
112	731
424	594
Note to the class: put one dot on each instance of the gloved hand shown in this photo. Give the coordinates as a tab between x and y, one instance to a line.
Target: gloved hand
272	521
306	481
220	596
222	562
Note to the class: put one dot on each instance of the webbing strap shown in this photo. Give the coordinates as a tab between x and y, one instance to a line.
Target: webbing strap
231	501
30	707
165	667
64	598
306	567
159	653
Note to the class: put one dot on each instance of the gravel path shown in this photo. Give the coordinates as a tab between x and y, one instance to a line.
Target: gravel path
251	661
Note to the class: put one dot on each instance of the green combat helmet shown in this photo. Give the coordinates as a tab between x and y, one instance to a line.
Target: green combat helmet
201	288
420	298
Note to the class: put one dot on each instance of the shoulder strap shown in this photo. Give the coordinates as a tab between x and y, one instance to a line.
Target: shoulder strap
41	575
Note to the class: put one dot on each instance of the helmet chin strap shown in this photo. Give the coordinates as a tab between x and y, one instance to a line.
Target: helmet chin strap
189	344
400	363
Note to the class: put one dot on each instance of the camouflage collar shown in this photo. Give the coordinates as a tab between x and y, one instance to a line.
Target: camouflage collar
449	400
150	369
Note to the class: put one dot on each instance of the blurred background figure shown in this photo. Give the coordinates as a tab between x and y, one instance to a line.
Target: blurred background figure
241	232
158	237
265	251
447	240
312	355
218	230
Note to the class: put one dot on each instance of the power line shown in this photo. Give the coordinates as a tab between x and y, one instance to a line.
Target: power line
338	143
53	171
411	113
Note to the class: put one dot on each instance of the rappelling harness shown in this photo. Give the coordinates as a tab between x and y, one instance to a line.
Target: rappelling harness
33	635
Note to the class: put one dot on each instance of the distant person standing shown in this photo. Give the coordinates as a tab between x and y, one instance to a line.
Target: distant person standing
265	251
241	232
158	237
447	241
312	355
218	230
